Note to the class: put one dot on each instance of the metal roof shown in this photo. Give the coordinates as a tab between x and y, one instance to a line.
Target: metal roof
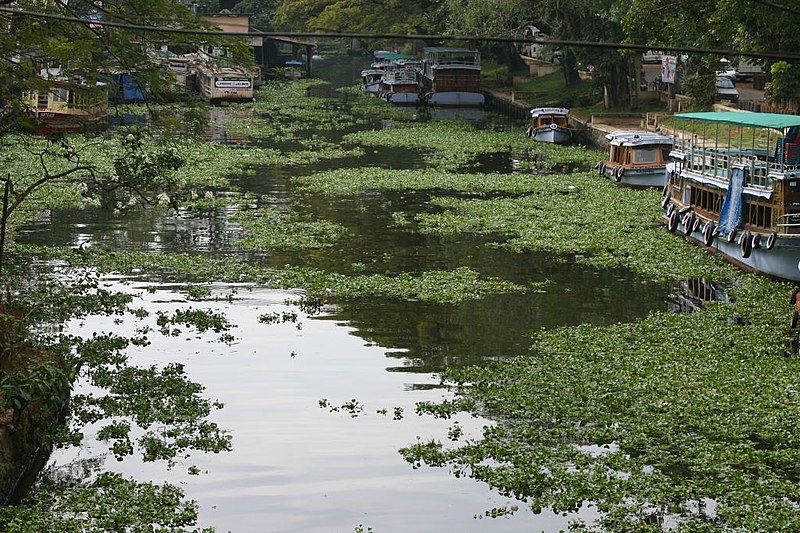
746	118
637	138
536	111
441	50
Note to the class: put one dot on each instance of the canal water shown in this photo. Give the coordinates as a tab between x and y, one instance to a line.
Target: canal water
318	404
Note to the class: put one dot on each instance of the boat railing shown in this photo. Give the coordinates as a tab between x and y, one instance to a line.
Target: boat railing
791	224
452	61
718	161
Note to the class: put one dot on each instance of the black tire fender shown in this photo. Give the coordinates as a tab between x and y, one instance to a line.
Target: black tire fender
745	244
708	233
688	222
672	221
771	240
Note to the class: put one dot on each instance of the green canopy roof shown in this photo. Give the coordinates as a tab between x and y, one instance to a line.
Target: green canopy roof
393	57
746	118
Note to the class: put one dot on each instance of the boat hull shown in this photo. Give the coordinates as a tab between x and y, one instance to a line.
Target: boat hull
638	178
402	98
781	261
455	98
371	87
551	135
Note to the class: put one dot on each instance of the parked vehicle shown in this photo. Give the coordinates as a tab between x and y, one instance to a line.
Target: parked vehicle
733	186
636	159
725	90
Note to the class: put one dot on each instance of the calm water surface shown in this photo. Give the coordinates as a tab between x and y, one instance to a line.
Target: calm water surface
297	465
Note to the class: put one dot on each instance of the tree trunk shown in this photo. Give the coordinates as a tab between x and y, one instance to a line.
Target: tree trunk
570	67
617	91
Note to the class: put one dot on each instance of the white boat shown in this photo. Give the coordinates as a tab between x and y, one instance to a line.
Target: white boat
220	83
734	187
400	85
636	159
549	124
371	77
452	76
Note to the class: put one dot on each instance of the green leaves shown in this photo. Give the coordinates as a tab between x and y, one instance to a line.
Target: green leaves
109	503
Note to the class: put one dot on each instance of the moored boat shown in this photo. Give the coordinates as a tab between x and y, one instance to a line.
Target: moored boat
636	158
371	77
549	124
734	187
400	85
225	83
67	105
452	76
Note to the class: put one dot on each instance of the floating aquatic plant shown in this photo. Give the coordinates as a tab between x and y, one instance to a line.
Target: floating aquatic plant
270	229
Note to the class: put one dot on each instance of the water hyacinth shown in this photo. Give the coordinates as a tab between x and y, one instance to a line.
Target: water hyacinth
641	420
453	144
270	229
435	286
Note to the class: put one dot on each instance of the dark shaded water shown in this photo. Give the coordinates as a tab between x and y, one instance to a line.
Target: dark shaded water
295	466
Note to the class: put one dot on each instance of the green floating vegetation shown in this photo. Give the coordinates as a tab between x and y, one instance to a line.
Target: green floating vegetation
434	286
454	144
109	503
689	419
289	107
271	229
581	216
574	215
353	181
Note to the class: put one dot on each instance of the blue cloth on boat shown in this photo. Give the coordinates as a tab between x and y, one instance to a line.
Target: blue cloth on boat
732	204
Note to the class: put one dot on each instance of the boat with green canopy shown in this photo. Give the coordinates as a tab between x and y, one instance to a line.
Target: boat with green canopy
733	186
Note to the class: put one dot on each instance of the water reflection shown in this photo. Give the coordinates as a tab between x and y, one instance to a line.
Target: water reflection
691	294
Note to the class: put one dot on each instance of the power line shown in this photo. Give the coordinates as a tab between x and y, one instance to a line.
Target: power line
777	6
424	37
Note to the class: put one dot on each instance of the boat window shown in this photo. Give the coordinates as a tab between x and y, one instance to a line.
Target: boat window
794	185
665	153
60	94
645	155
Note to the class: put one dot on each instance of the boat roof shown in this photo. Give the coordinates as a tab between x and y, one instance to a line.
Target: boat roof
536	111
394	57
746	118
444	50
637	138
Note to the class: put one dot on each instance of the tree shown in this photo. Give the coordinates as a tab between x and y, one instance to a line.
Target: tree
262	11
77	41
389	16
